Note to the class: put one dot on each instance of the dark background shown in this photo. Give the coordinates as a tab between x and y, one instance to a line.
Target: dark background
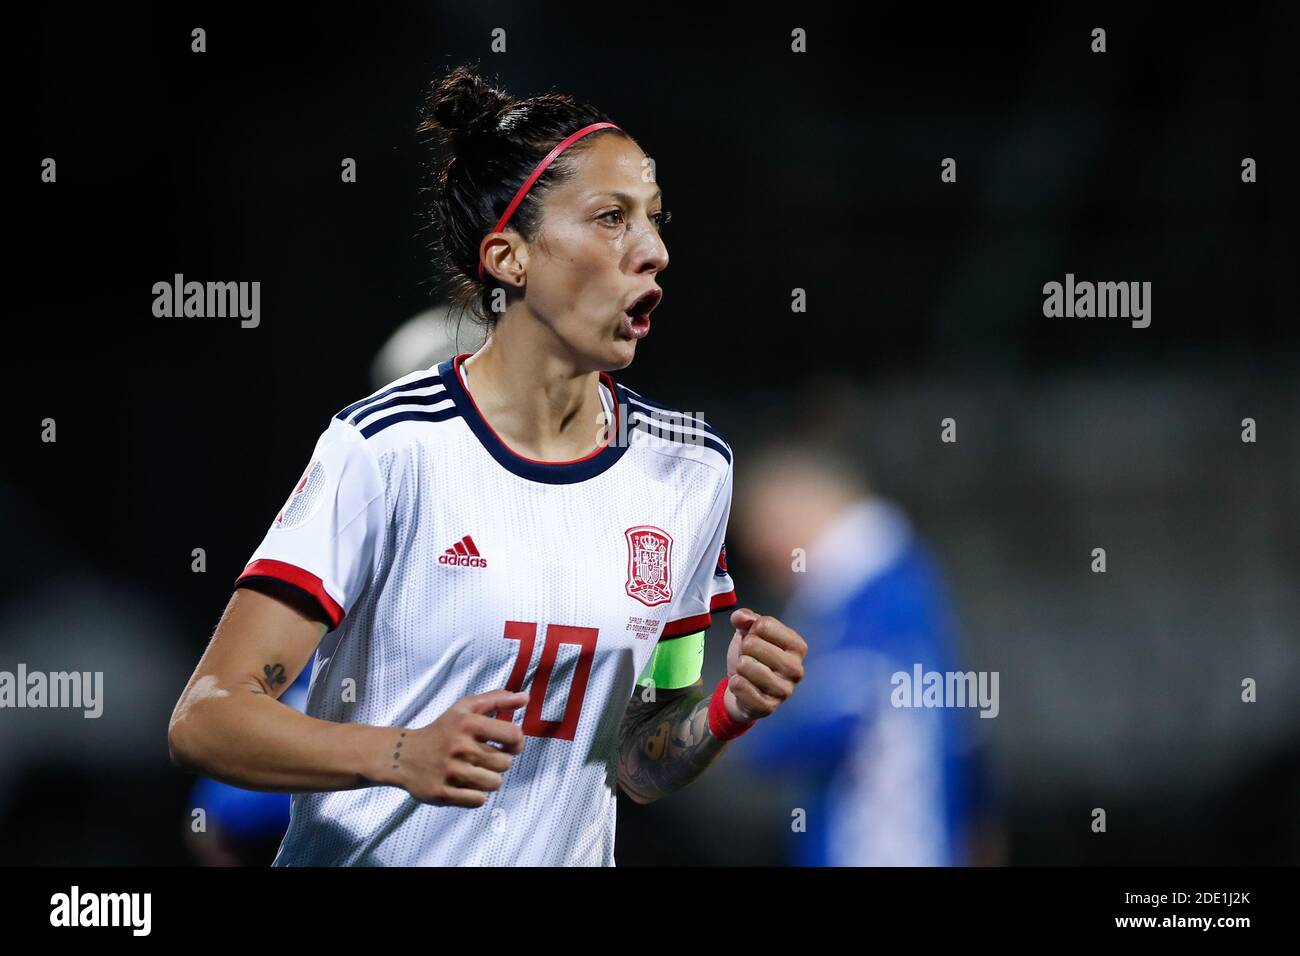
818	171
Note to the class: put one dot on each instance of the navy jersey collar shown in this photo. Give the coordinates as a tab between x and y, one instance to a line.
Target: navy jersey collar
552	473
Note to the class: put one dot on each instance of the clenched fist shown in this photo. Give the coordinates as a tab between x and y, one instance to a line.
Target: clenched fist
764	662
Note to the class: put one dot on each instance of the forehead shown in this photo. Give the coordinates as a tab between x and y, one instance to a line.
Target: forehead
610	163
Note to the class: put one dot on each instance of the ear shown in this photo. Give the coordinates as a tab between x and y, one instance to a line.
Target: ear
502	259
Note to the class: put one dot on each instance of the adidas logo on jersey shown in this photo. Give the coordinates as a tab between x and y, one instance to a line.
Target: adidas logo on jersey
463	554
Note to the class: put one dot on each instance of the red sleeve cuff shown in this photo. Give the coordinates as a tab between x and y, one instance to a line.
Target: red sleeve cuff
723	601
303	580
699	622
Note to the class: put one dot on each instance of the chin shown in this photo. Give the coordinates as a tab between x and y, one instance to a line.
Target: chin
624	353
611	355
606	355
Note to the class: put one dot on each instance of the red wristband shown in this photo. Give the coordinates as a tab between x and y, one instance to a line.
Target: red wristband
720	723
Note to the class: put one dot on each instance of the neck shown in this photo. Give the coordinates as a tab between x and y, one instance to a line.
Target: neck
539	403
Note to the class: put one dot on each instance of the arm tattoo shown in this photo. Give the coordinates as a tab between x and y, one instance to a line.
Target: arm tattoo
272	677
665	744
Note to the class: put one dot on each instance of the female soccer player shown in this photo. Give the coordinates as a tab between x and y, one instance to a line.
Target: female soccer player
489	556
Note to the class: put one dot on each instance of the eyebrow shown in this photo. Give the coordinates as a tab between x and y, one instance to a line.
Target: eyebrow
627	198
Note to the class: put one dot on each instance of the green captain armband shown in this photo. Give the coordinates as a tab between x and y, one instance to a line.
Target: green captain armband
675	663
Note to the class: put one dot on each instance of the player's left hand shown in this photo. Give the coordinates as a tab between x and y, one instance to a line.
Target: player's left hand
764	662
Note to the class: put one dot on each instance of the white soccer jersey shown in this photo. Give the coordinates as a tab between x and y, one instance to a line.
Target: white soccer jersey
451	566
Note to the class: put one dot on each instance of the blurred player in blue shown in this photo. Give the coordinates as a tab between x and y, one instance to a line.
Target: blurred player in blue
880	785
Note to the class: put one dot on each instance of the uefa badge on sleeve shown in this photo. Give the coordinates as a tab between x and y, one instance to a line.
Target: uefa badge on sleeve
649	565
305	499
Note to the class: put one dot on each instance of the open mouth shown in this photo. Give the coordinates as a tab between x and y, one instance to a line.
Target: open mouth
636	317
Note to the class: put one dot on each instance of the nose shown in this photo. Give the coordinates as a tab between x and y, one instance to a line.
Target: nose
649	254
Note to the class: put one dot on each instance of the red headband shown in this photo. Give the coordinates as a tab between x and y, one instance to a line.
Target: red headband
537	173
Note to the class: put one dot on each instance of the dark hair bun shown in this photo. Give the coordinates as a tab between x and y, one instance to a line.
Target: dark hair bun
487	143
462	101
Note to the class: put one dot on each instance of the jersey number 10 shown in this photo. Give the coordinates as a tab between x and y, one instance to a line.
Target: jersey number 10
525	632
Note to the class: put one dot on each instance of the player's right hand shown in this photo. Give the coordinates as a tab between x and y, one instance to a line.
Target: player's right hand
453	761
